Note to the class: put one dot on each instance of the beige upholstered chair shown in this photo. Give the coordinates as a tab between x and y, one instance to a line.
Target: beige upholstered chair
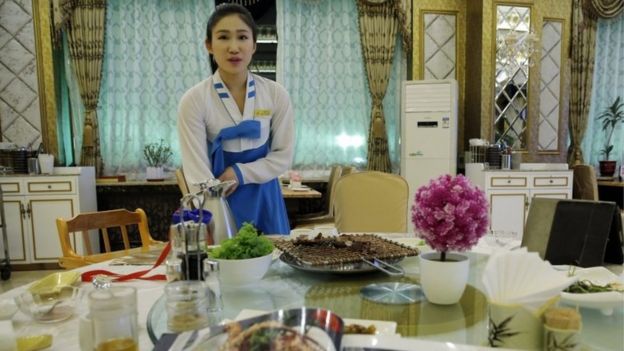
101	221
585	185
371	202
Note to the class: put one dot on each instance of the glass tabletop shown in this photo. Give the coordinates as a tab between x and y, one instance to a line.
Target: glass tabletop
465	322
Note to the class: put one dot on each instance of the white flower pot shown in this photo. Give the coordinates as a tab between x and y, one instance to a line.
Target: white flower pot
154	173
443	282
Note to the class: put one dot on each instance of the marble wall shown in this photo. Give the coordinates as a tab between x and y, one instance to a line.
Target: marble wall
20	117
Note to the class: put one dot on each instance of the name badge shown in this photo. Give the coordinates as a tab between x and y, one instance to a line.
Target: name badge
264	113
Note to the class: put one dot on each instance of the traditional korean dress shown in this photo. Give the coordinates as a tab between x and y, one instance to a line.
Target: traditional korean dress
258	144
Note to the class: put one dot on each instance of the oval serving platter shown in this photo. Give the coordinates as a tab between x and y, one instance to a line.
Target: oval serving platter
341	268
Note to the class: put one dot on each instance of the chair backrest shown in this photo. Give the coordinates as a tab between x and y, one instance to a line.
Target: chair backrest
100	221
334	175
184	189
538	224
585	185
371	201
580	232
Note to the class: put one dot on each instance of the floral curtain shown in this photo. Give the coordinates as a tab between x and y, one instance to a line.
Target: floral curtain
608	84
378	27
319	62
85	37
154	53
582	66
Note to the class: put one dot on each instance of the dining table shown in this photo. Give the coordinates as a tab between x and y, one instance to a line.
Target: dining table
287	287
302	192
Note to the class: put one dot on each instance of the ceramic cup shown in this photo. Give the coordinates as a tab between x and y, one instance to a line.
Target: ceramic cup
561	339
514	327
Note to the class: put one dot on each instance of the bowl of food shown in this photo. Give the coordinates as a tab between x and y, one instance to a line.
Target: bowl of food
243	259
49	307
294	329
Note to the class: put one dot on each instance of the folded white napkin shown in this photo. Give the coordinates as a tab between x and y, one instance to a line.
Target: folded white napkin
521	277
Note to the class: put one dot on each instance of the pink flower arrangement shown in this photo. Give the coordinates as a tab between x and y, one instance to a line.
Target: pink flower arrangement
450	213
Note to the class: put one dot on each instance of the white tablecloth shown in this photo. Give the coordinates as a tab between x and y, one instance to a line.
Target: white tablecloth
65	333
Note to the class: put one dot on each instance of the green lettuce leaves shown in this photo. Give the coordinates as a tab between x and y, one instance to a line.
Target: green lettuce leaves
246	244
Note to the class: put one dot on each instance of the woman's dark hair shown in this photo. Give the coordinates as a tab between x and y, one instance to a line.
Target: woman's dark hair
225	10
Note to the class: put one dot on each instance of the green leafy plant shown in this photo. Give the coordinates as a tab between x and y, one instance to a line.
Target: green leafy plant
246	244
609	118
157	154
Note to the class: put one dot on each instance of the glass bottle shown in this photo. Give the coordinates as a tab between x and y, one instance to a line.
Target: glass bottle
114	318
212	284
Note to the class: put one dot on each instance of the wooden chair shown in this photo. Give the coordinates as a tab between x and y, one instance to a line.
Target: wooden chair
371	202
585	185
182	184
101	221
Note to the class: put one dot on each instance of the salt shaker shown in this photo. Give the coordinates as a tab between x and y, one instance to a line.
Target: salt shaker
213	290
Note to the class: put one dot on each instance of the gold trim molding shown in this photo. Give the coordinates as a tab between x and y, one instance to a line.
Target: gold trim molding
45	74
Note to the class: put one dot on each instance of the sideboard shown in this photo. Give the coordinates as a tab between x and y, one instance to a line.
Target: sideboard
33	202
510	192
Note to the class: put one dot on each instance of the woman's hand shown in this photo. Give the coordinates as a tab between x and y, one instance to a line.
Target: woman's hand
229	174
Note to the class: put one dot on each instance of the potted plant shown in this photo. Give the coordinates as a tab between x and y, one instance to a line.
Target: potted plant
449	213
156	155
610	118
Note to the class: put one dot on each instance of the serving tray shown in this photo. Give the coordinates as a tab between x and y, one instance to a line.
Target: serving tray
343	249
338	268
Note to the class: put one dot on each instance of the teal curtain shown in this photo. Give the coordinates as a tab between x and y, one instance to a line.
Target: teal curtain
319	62
154	52
76	108
608	84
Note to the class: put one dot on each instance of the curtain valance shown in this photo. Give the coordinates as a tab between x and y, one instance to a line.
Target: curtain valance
607	8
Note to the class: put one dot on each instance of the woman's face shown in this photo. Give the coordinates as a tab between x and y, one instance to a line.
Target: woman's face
232	45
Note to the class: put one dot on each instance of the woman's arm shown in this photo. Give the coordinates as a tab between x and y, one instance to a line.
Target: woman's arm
193	139
279	158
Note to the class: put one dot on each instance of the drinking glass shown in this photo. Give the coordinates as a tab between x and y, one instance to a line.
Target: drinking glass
187	305
114	318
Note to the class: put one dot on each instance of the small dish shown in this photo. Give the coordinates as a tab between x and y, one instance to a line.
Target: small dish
607	301
7	309
48	308
53	283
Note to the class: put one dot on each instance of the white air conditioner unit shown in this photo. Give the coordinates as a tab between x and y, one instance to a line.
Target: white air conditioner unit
428	132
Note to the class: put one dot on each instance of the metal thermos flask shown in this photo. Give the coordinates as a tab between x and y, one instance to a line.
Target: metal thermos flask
223	225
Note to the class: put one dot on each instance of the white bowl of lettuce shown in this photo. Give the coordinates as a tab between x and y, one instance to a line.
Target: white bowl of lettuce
245	258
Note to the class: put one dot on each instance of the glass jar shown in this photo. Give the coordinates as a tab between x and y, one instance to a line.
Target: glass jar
114	318
187	306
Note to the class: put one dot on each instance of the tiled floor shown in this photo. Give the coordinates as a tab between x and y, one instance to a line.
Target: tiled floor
19	278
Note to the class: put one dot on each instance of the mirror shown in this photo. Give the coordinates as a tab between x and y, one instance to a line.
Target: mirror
514	47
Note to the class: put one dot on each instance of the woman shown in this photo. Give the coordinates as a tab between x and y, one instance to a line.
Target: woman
238	126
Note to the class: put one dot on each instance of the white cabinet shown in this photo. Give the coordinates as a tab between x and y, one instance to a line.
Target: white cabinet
32	204
510	193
